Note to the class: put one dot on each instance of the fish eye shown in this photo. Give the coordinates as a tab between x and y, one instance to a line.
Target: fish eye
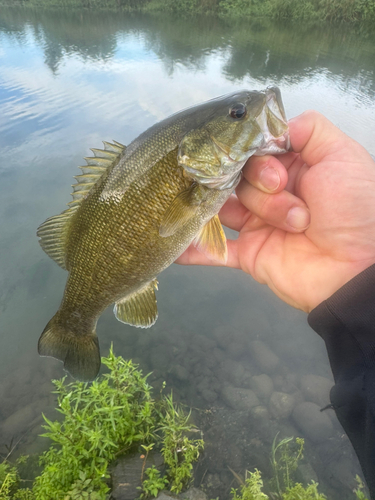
238	111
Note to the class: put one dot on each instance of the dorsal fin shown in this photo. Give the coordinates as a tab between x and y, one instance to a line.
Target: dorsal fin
102	160
54	230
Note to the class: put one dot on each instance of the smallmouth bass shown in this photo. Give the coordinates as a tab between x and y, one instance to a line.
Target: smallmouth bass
136	209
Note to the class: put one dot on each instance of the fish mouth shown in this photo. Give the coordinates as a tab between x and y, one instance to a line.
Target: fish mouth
273	125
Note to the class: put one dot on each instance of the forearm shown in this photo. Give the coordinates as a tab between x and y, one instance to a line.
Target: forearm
346	322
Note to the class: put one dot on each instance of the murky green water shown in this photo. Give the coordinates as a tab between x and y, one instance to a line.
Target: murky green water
69	80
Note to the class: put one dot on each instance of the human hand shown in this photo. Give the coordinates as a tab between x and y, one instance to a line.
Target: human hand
328	176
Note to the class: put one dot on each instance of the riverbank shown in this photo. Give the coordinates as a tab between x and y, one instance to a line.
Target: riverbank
299	10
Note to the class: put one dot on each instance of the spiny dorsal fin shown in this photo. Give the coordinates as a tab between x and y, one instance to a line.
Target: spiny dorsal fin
182	209
102	160
212	241
139	308
53	232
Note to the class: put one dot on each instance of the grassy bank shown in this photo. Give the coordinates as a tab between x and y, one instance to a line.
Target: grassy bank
301	10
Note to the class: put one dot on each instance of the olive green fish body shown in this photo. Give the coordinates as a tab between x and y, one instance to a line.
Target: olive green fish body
136	209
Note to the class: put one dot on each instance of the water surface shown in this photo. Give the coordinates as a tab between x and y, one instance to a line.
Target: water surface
71	79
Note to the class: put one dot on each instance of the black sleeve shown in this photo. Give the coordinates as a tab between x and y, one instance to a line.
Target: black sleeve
346	322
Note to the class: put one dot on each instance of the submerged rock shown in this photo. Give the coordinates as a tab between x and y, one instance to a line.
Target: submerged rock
316	389
127	475
265	359
281	405
315	425
193	494
19	421
262	385
239	399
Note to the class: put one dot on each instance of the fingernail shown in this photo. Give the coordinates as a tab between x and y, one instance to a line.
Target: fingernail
270	178
298	218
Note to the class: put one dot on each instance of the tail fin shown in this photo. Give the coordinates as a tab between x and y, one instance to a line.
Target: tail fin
79	353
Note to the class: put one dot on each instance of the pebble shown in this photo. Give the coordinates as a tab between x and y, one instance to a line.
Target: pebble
265	359
262	385
179	372
316	389
19	421
239	399
193	494
281	405
314	424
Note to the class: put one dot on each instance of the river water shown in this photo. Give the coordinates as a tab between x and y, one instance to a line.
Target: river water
71	79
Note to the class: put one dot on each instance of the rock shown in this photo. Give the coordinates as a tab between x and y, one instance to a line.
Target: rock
218	354
239	399
193	494
315	425
165	495
260	412
19	421
160	357
213	481
265	359
126	475
281	404
278	382
222	336
209	395
316	389
179	372
306	474
233	372
262	385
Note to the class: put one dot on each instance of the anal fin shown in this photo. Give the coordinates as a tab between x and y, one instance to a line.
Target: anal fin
212	242
139	308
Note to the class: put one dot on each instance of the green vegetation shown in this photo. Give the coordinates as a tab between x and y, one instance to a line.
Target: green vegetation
113	416
285	456
307	10
116	415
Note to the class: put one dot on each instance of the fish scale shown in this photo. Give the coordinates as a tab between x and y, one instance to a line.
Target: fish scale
136	209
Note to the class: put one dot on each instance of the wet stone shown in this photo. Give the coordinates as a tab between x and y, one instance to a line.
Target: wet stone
239	399
126	475
281	405
260	412
315	425
316	389
262	385
306	473
179	372
233	372
265	359
193	494
209	396
19	421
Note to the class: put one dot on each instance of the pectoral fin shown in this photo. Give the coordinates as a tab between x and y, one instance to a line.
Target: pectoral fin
139	308
181	210
212	241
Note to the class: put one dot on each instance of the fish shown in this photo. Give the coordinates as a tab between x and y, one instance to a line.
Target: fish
136	209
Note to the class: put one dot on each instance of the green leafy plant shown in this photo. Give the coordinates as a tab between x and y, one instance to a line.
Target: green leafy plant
285	456
112	416
251	489
179	451
10	482
153	484
360	495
